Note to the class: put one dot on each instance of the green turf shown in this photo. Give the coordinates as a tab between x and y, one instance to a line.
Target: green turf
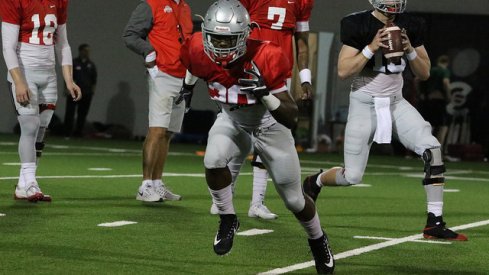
62	237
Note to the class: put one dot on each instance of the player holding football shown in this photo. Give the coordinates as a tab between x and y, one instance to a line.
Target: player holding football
247	78
377	108
279	21
33	33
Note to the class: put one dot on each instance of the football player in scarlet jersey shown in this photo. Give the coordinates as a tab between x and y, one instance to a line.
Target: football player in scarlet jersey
247	79
279	21
33	33
378	110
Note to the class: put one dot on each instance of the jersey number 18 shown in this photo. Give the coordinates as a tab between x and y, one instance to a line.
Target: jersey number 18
50	25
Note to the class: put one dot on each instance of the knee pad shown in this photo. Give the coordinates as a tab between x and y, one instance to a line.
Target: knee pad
433	167
351	177
46	112
340	178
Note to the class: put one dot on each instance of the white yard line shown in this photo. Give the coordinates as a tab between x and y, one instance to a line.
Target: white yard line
370	248
388	239
116	224
2	215
254	232
99	169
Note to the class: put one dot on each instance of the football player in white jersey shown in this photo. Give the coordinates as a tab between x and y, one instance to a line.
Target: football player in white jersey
33	33
377	109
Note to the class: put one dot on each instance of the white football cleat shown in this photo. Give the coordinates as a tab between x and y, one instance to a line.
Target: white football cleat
214	210
148	193
259	210
30	192
165	193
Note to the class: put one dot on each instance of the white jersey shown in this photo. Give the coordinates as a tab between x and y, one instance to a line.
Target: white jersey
378	84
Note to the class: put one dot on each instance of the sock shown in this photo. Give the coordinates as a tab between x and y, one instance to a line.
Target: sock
260	177
434	197
436	208
318	180
28	171
21	181
223	199
313	227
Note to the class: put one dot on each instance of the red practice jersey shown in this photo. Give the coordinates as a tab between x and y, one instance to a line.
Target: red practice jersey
38	19
223	82
278	20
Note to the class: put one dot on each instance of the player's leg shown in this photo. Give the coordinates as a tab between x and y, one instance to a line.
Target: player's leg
27	187
275	146
260	179
415	134
226	142
358	139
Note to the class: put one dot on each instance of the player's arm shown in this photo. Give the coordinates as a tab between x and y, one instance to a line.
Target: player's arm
351	61
10	36
302	57
418	58
280	104
63	53
136	32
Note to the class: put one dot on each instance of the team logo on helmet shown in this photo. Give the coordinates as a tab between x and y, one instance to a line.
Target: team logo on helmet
389	6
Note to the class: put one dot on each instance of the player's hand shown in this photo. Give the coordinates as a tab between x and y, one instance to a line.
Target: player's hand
407	47
74	91
378	41
254	85
22	94
306	91
186	93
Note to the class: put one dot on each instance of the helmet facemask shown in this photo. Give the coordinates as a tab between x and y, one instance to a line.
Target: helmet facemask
389	6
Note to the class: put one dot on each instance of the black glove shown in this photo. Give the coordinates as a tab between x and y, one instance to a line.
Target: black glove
185	94
255	86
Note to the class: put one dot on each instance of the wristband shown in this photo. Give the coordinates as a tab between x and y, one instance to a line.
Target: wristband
271	102
367	52
190	79
412	55
150	57
305	76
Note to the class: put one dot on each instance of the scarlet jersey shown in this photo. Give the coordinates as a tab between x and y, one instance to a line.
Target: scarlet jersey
279	20
38	19
223	82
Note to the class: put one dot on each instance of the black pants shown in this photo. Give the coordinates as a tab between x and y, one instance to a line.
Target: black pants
82	107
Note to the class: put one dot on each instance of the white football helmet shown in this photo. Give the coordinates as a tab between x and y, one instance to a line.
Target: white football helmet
389	6
225	30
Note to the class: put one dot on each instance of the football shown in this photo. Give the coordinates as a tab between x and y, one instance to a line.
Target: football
395	51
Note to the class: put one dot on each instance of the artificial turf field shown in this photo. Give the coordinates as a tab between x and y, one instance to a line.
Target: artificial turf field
388	213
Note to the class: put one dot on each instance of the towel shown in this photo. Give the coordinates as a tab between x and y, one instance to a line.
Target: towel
383	133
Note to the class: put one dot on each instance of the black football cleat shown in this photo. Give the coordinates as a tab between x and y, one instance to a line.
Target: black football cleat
310	187
435	229
228	226
323	256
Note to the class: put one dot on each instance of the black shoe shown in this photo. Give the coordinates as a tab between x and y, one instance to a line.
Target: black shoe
228	226
310	187
323	256
435	229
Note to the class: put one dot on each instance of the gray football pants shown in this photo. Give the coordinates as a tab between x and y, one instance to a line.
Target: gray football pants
408	126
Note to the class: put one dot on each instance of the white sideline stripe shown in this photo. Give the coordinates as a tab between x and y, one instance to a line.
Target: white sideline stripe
8	143
2	215
388	239
116	224
451	190
369	248
12	163
362	185
99	169
254	232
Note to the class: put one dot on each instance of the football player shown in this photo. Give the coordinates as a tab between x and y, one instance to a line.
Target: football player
33	33
378	110
247	78
279	21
